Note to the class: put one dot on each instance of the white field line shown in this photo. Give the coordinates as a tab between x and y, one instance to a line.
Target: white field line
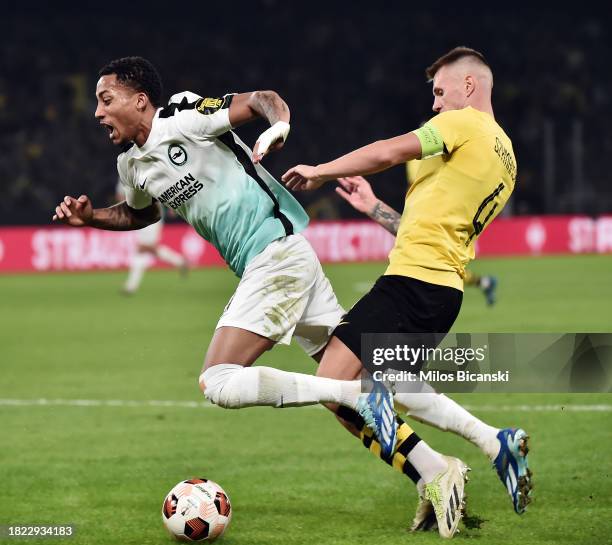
42	402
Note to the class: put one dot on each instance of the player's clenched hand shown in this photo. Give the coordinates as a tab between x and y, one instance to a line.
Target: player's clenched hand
258	155
75	212
357	191
303	178
271	139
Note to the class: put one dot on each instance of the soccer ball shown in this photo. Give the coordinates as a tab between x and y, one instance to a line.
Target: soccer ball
197	510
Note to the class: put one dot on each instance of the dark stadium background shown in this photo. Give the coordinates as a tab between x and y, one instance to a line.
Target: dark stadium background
351	72
100	411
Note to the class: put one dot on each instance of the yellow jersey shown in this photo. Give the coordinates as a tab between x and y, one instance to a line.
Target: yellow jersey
464	179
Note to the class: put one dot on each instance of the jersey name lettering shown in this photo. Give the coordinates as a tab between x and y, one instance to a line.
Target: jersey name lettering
506	158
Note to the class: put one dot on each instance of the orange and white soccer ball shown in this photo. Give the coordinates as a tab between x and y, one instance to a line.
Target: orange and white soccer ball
197	510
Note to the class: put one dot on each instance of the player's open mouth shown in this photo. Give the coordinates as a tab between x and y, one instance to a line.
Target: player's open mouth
110	129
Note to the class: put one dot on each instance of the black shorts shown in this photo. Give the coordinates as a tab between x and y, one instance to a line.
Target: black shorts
400	304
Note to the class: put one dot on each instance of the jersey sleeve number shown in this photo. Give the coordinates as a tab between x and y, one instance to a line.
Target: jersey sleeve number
479	224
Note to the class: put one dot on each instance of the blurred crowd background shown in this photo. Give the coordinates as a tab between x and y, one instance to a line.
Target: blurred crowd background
350	72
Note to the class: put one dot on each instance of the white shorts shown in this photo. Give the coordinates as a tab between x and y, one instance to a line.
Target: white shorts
150	235
284	293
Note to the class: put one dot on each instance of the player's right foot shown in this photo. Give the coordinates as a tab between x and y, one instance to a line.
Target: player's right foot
376	408
512	467
446	492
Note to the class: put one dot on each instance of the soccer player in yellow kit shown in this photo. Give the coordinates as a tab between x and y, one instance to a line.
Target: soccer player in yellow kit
466	176
357	191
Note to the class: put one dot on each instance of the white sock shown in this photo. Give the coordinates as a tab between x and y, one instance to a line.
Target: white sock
445	414
170	256
138	265
233	386
426	461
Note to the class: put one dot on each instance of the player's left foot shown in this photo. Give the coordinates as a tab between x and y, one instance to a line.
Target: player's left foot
446	493
488	285
376	408
512	467
184	269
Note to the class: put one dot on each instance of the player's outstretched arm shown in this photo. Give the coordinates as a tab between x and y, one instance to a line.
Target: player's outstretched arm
268	105
357	191
120	217
372	158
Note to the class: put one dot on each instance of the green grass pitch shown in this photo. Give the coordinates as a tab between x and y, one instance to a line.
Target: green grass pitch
294	475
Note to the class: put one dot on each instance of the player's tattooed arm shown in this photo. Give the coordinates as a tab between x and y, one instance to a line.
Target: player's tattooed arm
386	216
120	217
268	105
357	191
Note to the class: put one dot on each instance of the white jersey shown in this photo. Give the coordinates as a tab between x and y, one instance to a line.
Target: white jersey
193	163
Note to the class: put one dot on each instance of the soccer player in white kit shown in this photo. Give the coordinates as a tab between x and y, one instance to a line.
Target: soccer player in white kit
148	248
186	157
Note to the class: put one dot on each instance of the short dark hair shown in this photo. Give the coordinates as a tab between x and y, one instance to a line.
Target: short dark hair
137	73
452	56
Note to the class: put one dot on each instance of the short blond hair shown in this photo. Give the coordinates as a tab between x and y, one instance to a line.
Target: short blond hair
454	55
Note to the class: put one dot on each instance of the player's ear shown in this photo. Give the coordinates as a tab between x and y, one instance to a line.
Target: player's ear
141	101
470	85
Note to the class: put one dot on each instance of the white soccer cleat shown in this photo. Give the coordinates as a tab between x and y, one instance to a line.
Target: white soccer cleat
425	517
446	493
